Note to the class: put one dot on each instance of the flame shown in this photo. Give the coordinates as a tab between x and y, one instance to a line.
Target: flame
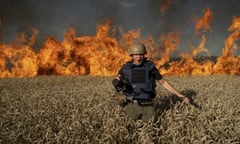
105	52
95	55
19	57
165	5
227	62
203	25
169	44
188	65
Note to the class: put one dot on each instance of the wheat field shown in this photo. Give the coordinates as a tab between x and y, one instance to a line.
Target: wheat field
84	109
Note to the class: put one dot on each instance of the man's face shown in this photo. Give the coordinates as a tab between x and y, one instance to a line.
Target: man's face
138	58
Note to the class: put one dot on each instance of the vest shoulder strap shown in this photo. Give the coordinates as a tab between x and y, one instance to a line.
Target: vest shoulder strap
128	64
150	65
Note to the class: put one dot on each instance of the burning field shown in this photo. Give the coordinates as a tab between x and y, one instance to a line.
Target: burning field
83	109
62	93
105	52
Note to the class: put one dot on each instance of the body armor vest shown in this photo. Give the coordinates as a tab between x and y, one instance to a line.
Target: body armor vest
140	80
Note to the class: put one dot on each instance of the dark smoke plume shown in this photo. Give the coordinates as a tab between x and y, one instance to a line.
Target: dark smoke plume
52	17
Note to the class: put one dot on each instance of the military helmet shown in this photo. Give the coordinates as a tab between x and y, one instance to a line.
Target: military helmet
137	48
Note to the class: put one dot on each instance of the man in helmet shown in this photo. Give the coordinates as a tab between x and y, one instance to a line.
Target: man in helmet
136	82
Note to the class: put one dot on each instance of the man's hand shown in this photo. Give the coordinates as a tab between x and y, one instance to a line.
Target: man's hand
184	98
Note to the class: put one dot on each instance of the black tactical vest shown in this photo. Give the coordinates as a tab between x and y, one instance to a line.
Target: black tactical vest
139	77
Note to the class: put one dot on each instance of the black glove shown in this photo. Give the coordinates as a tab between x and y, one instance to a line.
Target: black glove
118	85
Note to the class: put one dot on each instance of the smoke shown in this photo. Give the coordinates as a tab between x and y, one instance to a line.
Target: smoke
53	17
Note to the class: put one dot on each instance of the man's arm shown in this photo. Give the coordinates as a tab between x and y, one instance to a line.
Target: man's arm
167	86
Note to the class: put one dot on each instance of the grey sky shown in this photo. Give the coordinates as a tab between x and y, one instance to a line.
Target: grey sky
52	17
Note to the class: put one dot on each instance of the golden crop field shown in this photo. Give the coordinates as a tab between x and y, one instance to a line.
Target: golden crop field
84	109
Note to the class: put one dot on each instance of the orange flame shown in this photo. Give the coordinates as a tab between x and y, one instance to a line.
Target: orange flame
95	55
188	65
169	44
228	63
105	52
21	59
165	5
202	27
203	24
